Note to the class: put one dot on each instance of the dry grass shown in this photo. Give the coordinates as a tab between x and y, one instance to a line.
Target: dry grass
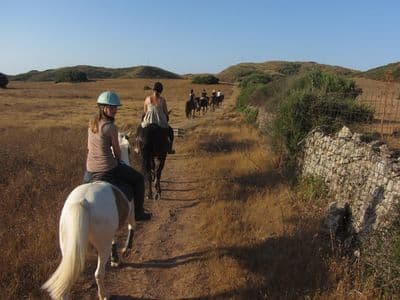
265	235
42	158
45	104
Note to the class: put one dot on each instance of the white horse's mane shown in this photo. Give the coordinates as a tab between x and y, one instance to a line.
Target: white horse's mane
124	146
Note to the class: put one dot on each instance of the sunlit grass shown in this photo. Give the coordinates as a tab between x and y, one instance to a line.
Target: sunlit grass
42	158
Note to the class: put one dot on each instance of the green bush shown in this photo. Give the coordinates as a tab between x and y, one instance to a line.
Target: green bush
255	78
205	79
316	99
303	111
3	80
71	76
242	100
329	83
301	103
251	114
312	188
290	68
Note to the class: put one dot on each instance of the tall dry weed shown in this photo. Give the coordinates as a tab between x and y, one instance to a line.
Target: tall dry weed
39	168
42	157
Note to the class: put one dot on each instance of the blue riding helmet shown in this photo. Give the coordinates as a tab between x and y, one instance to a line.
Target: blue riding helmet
109	98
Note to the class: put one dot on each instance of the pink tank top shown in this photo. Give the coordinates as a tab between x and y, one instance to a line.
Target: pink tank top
100	157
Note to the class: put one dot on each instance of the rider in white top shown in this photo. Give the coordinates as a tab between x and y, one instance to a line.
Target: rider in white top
156	112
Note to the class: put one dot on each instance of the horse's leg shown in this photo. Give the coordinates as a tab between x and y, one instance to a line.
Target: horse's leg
128	243
150	181
103	253
115	262
146	170
101	238
158	177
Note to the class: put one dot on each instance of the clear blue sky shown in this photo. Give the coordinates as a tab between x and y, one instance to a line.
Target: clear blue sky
188	36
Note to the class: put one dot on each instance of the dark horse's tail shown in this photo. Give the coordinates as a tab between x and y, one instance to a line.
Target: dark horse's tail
154	153
155	144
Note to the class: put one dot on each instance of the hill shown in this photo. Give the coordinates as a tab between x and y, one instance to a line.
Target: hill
389	72
277	69
98	73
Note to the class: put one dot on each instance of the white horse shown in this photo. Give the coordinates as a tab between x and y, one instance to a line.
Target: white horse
92	213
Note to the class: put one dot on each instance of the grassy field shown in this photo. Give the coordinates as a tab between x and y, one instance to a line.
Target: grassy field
42	158
45	104
264	232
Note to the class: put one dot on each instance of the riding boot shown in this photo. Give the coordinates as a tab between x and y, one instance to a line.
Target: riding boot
142	215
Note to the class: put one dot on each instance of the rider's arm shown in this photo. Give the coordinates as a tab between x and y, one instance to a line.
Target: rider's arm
146	100
165	108
112	132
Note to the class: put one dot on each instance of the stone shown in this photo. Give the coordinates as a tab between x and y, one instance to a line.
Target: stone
344	133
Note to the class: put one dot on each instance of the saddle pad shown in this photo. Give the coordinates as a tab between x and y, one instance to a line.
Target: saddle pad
122	205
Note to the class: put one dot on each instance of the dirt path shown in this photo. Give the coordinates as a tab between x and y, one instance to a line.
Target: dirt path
168	258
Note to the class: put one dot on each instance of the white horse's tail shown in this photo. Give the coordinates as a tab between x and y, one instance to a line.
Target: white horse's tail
74	228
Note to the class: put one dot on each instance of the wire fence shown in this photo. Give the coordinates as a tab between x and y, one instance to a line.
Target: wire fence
386	107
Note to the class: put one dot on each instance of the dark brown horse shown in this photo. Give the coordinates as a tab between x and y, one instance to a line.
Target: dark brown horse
202	104
190	108
153	145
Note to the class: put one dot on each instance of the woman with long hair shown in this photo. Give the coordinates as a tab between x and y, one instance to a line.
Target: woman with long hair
103	158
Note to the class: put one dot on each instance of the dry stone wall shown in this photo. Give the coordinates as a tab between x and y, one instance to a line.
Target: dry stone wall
363	177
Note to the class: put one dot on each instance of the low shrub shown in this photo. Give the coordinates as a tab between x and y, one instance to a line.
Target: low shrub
301	103
242	100
312	188
290	68
251	114
303	111
255	78
71	76
205	79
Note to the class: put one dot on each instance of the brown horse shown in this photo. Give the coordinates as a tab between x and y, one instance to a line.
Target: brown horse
190	108
153	145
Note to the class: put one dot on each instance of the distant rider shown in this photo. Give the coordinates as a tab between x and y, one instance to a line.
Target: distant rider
156	112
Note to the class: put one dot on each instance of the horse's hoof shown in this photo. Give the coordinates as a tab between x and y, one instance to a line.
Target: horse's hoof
126	252
104	297
115	264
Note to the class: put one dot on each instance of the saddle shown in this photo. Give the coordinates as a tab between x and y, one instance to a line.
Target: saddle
126	189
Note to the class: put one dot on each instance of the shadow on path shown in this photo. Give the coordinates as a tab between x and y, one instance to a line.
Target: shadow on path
169	262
